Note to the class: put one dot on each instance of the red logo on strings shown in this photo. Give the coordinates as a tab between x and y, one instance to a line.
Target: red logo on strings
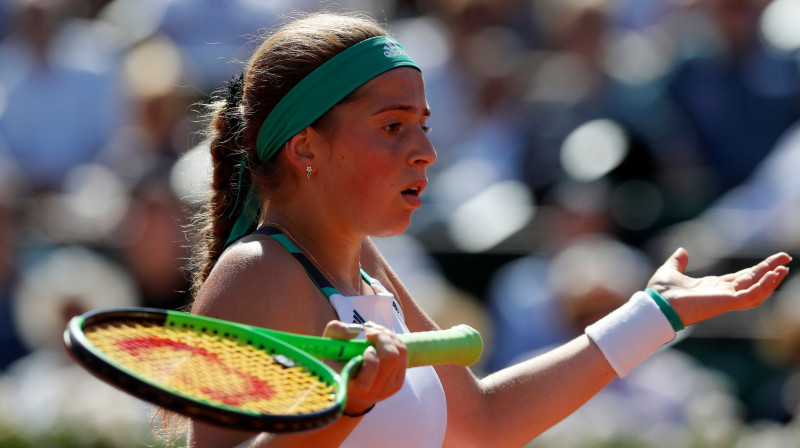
256	389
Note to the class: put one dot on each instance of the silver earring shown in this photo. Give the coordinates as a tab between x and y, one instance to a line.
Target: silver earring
308	172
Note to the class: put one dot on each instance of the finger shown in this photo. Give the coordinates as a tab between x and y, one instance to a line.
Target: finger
382	377
339	330
393	357
748	277
391	349
678	260
768	263
364	378
763	288
394	371
360	393
779	259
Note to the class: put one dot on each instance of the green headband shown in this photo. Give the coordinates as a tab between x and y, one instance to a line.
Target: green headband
311	98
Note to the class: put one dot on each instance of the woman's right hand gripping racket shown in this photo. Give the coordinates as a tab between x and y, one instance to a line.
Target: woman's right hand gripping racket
234	374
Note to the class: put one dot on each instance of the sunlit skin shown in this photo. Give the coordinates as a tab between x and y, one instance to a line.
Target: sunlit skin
369	158
740	290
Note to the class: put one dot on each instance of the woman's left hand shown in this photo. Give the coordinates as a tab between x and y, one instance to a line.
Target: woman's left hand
382	370
698	299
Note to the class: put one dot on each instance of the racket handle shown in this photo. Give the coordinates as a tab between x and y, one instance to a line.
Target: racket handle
460	345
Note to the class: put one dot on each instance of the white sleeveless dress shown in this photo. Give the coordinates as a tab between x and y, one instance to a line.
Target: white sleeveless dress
416	416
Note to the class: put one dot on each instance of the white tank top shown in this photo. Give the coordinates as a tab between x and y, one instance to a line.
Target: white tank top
415	416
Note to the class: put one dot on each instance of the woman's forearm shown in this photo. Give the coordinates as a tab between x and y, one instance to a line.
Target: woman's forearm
513	406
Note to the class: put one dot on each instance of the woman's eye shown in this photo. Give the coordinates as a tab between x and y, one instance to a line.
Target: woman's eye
393	128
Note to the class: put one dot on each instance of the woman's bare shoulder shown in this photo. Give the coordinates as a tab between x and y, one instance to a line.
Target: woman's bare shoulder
259	283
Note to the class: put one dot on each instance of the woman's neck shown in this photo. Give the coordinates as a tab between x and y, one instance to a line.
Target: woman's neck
335	252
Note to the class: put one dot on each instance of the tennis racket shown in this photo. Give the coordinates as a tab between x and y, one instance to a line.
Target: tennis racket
237	375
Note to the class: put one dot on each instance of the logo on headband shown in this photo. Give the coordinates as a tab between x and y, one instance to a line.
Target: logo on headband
392	48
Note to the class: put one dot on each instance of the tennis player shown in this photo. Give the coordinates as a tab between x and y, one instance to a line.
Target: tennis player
322	144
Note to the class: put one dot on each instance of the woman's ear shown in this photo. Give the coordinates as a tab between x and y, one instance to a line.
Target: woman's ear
303	148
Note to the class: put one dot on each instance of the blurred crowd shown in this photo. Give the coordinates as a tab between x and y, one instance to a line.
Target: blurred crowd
579	143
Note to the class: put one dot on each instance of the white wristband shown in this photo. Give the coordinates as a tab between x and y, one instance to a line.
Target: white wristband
631	333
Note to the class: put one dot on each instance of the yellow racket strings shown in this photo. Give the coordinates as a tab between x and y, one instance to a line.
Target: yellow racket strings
212	368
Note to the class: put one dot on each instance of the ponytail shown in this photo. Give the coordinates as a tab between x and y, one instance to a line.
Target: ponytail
215	221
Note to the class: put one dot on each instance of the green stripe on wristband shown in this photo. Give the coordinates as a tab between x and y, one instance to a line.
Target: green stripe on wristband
667	309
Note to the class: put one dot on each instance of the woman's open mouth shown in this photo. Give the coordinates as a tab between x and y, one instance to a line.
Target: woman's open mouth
412	194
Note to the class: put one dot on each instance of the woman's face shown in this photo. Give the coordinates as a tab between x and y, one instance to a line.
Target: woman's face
374	171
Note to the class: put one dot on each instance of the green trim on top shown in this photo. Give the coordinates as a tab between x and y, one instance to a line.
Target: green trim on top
366	277
286	243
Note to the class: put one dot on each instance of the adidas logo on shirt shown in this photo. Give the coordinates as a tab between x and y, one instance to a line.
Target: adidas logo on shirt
392	48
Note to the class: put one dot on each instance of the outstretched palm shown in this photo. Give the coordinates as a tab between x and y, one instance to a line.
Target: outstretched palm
698	299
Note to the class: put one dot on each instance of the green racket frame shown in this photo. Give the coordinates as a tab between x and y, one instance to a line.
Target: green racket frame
460	345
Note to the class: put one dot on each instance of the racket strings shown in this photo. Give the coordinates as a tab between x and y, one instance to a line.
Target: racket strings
212	368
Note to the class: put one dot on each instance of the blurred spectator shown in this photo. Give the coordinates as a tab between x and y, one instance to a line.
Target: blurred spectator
580	122
58	113
217	36
753	218
640	14
5	18
11	346
158	131
152	245
149	238
737	93
568	87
